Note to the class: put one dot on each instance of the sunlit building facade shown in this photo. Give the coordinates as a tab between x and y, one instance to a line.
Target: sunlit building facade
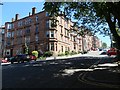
37	33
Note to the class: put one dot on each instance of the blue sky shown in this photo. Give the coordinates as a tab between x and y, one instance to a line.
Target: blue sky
9	9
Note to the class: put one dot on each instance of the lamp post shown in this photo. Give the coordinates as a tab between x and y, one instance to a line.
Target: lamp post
26	47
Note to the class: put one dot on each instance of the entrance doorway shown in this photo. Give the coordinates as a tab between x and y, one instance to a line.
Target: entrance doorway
11	52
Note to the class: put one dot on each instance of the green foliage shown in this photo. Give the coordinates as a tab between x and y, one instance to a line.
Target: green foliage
84	52
96	16
73	53
35	53
61	54
104	45
42	58
48	54
66	52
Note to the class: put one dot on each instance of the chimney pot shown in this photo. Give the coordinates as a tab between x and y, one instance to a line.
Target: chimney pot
33	10
16	17
29	13
13	20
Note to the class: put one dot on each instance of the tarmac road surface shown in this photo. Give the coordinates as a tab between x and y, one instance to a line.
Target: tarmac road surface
63	73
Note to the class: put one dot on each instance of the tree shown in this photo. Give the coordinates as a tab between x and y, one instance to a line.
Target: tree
104	45
102	17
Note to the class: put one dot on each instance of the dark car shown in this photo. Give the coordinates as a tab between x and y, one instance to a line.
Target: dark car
19	58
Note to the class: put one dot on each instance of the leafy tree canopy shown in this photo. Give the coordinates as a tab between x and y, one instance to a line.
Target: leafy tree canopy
104	45
102	17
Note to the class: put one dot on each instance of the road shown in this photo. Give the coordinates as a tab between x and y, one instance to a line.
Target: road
77	72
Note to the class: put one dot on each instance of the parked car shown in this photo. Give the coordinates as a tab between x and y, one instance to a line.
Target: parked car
103	52
112	51
4	61
19	58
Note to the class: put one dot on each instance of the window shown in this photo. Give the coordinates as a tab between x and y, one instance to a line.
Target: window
52	34
56	46
28	21
60	20
66	49
66	25
9	26
36	18
74	46
3	31
12	26
19	23
62	48
61	37
47	14
52	46
47	24
47	34
67	33
8	42
61	29
47	47
71	37
27	39
56	35
12	41
12	34
27	31
8	34
75	39
36	37
19	32
36	30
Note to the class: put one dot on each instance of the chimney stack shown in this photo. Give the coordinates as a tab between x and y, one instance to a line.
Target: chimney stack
29	13
33	10
16	17
13	20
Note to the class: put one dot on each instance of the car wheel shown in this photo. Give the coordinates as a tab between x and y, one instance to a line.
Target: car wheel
12	62
22	61
18	61
109	55
28	60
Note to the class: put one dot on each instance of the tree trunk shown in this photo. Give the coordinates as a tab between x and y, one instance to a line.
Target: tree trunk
112	26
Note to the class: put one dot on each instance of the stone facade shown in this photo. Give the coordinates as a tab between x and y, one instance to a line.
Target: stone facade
36	32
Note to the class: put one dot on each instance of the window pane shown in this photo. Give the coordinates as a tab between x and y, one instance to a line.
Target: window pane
47	34
36	18
52	34
52	46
